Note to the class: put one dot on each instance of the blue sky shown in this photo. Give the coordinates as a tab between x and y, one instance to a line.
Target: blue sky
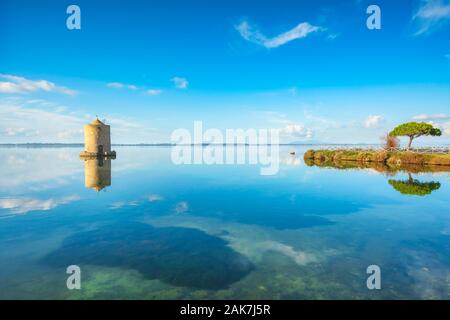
310	68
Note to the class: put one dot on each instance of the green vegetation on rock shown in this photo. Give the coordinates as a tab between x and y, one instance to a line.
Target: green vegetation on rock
392	158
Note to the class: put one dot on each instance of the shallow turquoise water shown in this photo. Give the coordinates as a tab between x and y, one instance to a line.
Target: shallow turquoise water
165	231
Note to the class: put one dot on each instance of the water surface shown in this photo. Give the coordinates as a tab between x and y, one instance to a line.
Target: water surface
141	227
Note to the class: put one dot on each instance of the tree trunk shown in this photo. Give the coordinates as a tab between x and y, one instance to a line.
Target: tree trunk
411	138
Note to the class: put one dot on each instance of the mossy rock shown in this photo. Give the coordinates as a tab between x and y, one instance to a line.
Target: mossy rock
388	161
309	155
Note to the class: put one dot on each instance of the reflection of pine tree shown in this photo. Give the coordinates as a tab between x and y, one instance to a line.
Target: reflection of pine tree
414	187
410	186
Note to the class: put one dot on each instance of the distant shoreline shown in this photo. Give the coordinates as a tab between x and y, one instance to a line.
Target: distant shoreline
81	145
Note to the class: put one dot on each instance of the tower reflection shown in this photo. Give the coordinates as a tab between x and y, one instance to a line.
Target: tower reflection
97	173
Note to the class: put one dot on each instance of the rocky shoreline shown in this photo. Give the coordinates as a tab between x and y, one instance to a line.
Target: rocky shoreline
392	158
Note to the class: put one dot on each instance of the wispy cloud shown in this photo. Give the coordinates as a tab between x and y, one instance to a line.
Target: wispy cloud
446	128
132	87
181	207
153	92
24	120
289	129
21	85
118	205
115	85
332	36
443	125
431	15
294	131
24	205
180	83
155	197
122	204
27	122
150	198
118	85
373	121
14	132
430	117
52	169
252	34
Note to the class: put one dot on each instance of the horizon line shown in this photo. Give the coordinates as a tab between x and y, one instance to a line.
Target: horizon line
78	144
178	144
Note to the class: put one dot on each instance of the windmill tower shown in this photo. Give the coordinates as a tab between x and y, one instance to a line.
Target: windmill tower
97	140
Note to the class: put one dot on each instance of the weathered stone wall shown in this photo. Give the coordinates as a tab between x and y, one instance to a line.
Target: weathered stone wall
96	135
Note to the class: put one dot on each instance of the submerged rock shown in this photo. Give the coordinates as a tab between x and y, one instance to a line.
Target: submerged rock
178	256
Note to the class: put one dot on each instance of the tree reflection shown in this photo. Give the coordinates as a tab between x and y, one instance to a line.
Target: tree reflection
413	187
410	187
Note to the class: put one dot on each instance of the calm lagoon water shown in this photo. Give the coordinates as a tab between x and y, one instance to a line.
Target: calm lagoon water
155	230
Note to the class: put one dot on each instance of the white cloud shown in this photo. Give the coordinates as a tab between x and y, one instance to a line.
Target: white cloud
119	85
21	85
332	36
121	204
21	122
21	131
251	34
373	121
153	92
14	131
69	134
181	207
53	168
28	124
289	129
428	117
180	83
117	205
155	197
296	131
115	85
446	128
132	87
24	205
431	15
292	160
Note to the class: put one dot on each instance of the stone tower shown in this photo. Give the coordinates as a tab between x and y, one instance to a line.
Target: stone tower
97	140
